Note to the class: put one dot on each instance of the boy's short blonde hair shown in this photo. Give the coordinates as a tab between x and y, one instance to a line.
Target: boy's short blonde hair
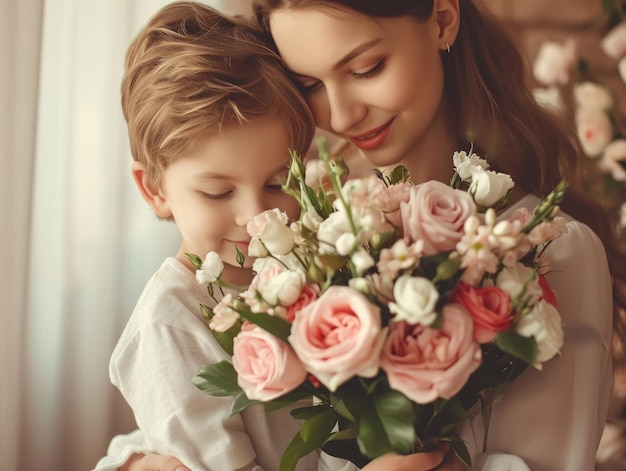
192	71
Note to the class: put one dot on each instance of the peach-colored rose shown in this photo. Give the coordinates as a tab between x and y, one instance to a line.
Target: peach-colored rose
425	363
436	214
308	294
489	306
338	336
266	366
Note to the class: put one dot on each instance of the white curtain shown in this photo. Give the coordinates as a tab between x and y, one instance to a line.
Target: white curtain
77	243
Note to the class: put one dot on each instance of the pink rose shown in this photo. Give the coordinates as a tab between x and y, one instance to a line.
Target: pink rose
425	363
308	294
489	306
436	213
266	366
338	336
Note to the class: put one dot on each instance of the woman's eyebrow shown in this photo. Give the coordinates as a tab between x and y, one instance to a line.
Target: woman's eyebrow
361	48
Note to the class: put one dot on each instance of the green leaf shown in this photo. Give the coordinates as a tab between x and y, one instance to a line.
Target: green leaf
397	415
524	348
286	400
218	379
461	451
195	260
400	174
312	435
304	413
277	326
242	402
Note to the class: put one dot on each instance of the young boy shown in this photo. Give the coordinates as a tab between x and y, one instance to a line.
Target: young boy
211	117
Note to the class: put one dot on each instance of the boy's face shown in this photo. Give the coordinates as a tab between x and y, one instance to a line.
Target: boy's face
214	191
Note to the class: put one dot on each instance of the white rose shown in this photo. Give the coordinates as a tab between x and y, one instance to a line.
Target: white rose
277	285
415	298
514	279
593	95
614	42
544	324
463	164
595	130
212	268
488	187
549	97
271	228
554	62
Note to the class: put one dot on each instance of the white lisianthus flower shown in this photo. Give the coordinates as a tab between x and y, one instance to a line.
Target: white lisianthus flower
211	270
362	260
415	298
614	42
330	229
464	163
346	243
488	187
520	280
595	130
311	220
271	227
549	97
224	317
554	61
544	324
593	95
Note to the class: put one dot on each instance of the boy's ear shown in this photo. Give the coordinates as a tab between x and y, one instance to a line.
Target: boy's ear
448	17
155	197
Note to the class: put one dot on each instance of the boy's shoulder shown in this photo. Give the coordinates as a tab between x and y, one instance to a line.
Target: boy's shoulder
171	295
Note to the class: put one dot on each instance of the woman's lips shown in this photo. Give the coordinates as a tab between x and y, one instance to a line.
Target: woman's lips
371	139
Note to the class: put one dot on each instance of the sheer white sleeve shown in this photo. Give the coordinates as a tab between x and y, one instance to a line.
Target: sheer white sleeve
553	419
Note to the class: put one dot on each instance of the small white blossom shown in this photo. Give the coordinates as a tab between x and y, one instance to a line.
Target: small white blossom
211	270
593	95
549	97
554	62
464	163
614	42
362	261
520	282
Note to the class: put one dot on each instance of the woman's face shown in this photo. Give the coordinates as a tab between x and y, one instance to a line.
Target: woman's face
375	81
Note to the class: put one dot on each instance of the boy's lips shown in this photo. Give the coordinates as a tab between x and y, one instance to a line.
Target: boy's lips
372	138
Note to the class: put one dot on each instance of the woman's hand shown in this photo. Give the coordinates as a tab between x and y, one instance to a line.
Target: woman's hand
441	459
153	462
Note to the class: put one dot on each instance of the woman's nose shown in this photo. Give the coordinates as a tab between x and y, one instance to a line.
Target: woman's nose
345	108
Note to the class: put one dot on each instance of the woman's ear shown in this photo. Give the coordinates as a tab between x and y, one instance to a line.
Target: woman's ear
448	17
155	197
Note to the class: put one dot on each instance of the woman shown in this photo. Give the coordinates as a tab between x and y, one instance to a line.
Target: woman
409	82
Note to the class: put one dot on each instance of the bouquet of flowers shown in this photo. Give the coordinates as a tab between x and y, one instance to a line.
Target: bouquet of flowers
395	310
